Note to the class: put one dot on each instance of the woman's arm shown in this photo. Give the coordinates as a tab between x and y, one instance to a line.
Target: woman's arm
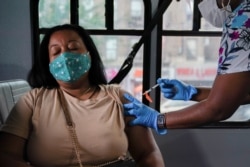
142	145
143	148
12	150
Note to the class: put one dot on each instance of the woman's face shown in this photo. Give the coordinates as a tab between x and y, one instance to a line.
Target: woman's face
65	41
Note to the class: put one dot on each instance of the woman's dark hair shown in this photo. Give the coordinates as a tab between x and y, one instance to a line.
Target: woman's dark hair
40	76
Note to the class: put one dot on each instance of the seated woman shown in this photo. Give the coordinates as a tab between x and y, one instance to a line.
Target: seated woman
72	117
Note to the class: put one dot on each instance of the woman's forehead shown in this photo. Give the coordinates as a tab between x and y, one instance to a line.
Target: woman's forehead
64	36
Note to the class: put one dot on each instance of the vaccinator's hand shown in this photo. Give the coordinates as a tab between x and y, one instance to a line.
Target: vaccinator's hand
175	89
143	114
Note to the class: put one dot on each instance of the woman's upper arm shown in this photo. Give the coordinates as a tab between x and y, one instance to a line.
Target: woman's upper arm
140	139
143	147
12	146
142	144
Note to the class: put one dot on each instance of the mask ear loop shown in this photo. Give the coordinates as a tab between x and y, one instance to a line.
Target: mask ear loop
225	7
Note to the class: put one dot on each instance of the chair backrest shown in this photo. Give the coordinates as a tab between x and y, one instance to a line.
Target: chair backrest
10	91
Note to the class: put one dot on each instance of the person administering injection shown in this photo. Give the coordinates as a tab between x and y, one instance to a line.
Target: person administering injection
231	85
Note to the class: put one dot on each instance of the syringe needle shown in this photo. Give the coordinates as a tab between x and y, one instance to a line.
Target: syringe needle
150	89
155	86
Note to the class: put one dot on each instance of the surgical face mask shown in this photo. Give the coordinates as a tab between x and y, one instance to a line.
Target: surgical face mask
213	14
69	67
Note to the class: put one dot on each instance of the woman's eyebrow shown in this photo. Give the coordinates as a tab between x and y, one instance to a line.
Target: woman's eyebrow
70	41
52	45
73	40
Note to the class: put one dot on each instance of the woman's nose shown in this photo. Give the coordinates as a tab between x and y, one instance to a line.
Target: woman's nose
65	49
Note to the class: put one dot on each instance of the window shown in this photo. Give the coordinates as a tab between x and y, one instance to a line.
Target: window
182	21
136	9
128	14
91	14
52	13
111	49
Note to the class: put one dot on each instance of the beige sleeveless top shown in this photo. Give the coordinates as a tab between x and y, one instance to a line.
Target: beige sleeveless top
38	117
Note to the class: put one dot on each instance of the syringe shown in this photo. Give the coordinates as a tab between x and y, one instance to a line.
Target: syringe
149	90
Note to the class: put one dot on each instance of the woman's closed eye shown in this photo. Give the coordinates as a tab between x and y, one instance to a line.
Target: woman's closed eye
73	49
73	46
54	51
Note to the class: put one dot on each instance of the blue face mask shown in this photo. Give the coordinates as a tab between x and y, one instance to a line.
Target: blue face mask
69	67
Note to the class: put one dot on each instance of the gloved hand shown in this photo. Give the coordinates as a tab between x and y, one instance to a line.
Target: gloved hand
143	114
175	89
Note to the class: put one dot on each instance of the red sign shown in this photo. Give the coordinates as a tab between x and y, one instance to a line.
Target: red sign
195	73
